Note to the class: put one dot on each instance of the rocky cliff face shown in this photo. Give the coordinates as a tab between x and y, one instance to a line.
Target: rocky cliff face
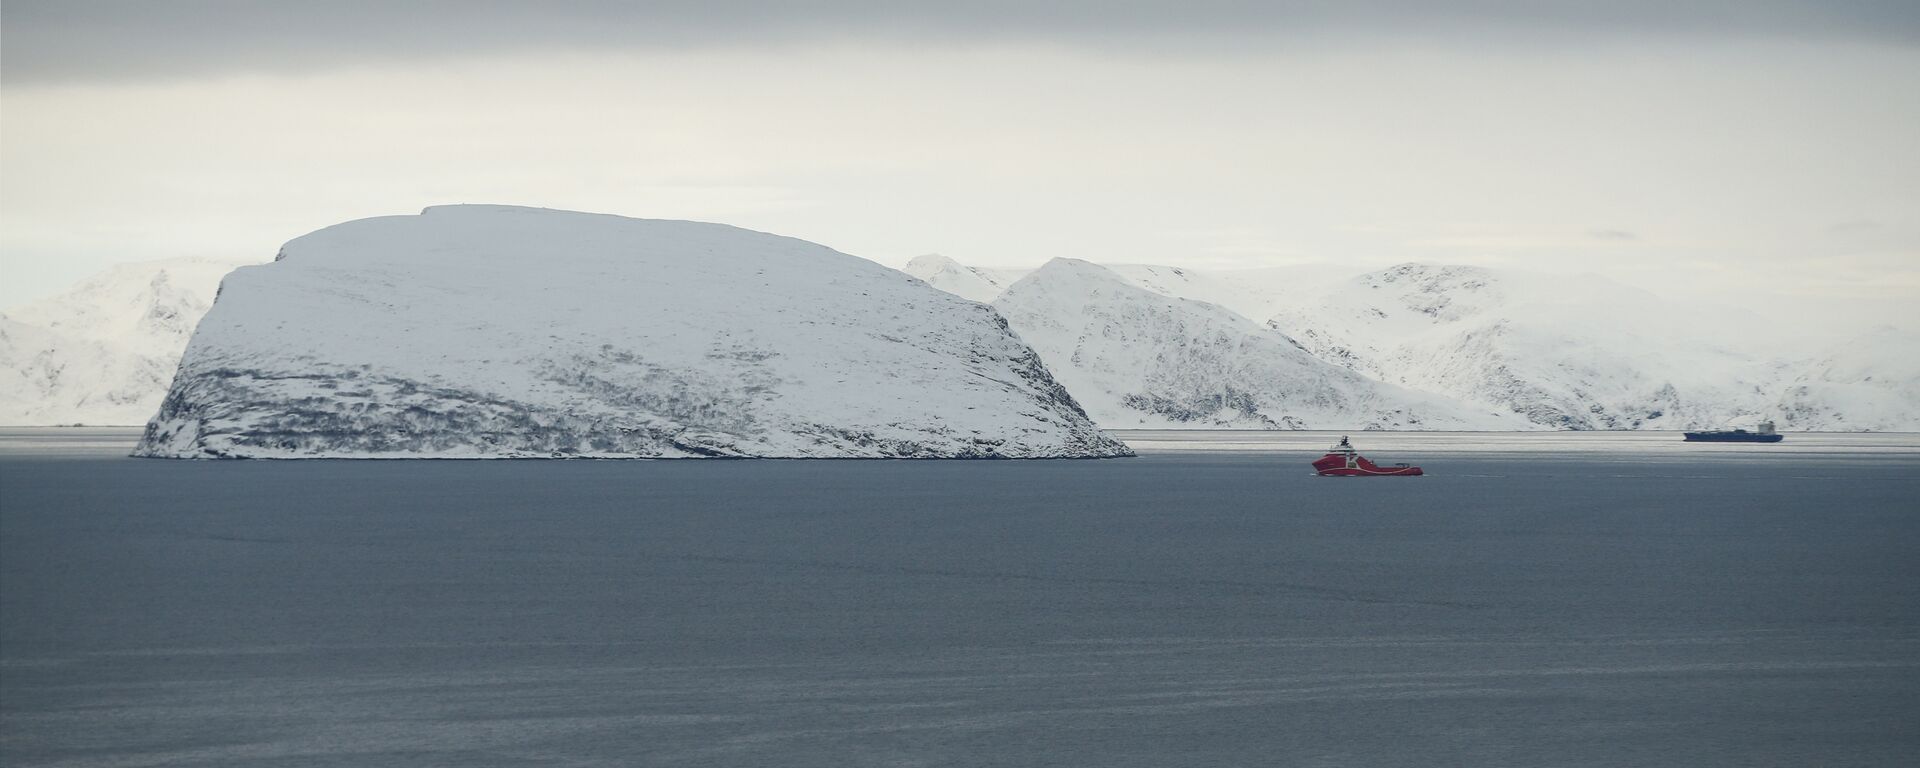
489	331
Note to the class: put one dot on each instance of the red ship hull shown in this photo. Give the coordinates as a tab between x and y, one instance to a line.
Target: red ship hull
1339	465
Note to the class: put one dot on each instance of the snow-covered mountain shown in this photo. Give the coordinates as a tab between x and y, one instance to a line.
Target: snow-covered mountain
493	331
1564	353
104	351
1137	358
1589	353
1871	383
1252	293
1569	354
970	283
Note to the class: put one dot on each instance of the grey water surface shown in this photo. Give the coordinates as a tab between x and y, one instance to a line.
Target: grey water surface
1535	600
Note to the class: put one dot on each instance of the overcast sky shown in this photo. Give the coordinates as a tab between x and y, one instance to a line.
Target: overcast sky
1705	149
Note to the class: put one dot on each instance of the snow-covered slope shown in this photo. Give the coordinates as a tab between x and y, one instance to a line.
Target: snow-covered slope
1136	358
104	351
1871	383
491	331
1570	354
970	283
1567	353
1253	293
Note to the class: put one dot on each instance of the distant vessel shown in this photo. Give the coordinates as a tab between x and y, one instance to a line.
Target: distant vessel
1343	461
1762	434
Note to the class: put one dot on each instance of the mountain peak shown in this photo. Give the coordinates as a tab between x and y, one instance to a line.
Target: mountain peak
1063	268
970	283
103	351
930	263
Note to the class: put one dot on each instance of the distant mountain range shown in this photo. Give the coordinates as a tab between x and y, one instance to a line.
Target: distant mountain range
1533	351
1416	346
1136	358
104	351
1589	354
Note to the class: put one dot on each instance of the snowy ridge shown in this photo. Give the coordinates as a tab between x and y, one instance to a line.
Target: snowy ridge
1251	293
1871	383
1591	355
970	283
104	351
1559	353
1136	358
493	331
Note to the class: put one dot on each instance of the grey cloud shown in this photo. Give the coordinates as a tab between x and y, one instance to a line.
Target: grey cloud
1618	235
68	40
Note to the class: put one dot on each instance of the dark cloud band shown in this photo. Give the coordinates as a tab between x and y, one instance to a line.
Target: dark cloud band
64	40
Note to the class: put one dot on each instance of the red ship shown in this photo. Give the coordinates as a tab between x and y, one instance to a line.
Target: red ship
1343	461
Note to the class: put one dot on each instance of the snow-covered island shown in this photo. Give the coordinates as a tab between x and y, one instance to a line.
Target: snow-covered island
499	332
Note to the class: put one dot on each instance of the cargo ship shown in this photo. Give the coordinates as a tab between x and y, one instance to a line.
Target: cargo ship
1343	461
1762	434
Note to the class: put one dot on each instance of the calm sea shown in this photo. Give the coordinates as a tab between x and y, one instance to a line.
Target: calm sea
1536	600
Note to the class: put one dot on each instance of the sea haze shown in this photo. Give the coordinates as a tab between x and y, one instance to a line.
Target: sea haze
1536	599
